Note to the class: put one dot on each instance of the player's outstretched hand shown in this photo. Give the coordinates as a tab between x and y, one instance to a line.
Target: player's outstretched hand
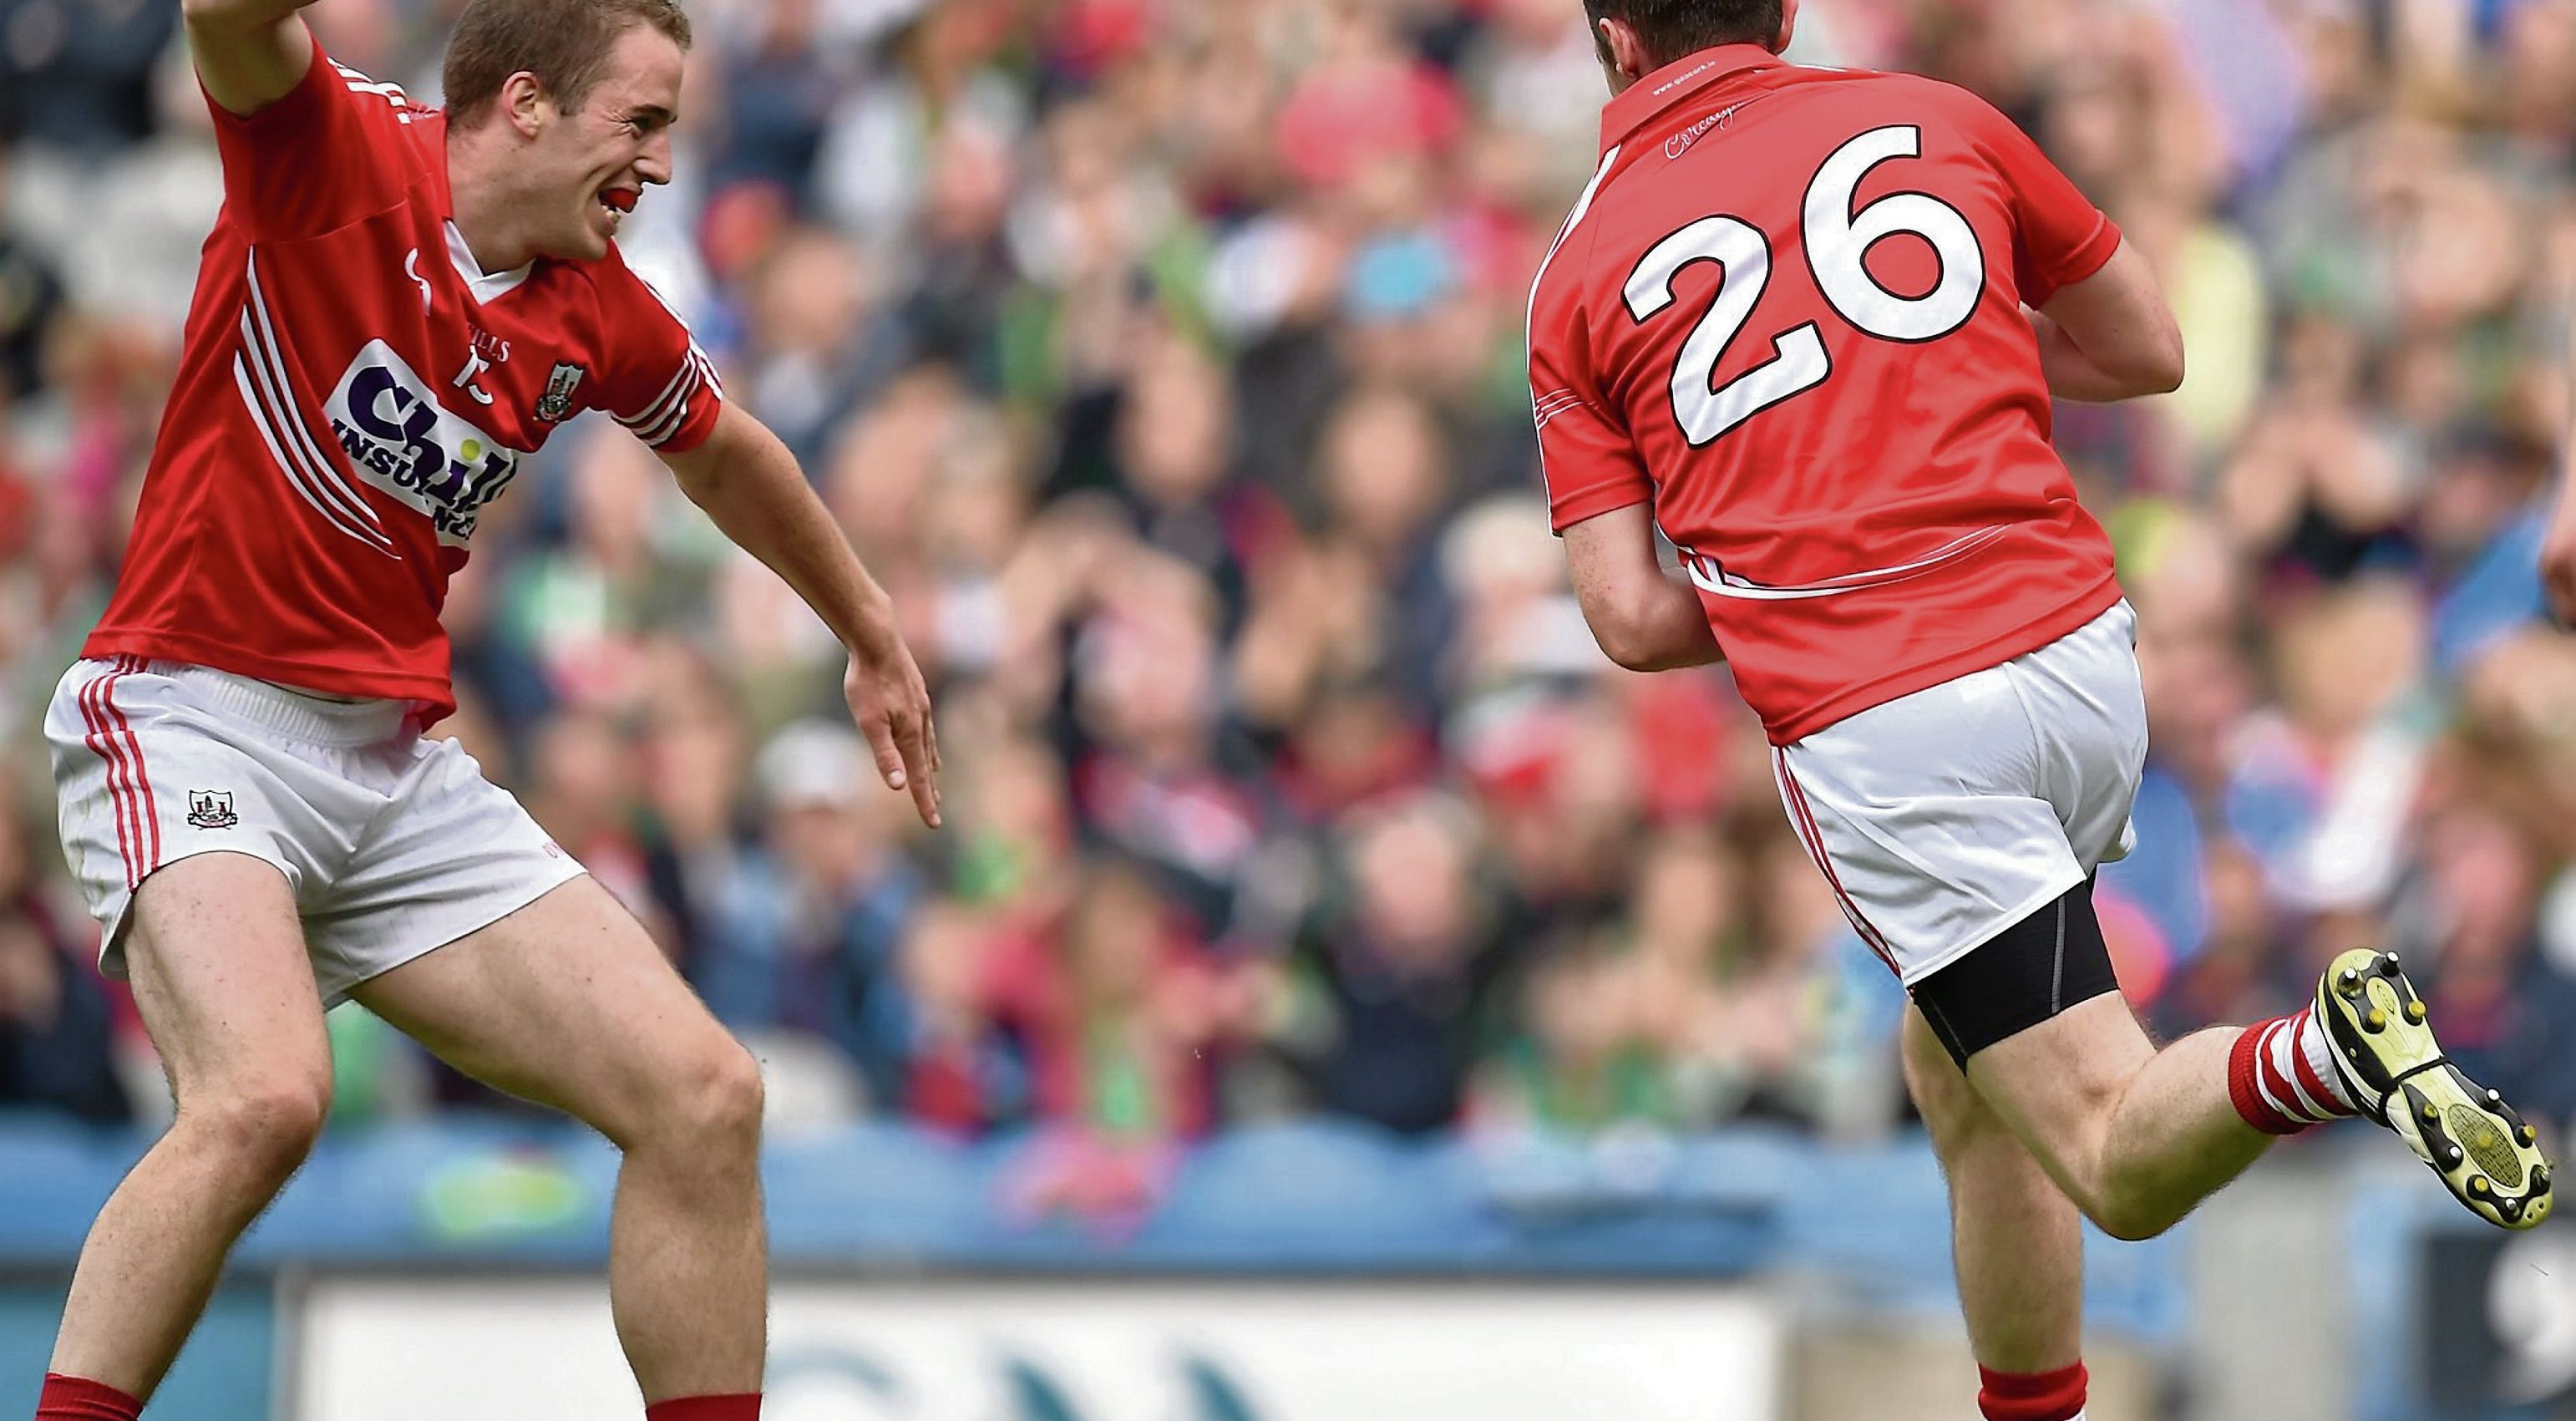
891	703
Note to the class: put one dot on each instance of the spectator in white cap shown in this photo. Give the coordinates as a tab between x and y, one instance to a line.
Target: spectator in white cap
811	929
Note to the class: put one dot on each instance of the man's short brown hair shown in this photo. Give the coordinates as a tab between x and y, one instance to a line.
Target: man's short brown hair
1671	29
564	43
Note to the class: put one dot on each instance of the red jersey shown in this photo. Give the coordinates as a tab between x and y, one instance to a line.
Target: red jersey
352	392
1787	312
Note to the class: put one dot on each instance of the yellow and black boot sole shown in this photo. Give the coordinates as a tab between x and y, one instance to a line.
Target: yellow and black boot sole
2388	1058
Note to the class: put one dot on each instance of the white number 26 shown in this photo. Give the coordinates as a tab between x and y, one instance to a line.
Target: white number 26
1836	239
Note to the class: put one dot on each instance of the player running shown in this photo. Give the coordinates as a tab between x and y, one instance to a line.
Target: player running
1808	322
396	308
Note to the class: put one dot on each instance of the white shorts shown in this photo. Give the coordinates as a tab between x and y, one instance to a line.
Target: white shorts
394	845
1944	817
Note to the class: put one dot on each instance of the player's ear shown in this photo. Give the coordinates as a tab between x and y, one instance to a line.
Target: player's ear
523	103
1623	54
1788	22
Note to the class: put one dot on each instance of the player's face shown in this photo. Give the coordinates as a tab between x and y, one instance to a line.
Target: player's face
598	161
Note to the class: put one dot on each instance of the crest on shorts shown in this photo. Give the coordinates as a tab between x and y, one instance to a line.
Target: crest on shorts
212	809
555	405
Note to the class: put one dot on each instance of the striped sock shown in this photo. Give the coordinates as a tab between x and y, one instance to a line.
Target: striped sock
2282	1079
2032	1396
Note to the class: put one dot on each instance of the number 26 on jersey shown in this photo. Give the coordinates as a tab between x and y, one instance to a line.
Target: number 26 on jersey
1837	241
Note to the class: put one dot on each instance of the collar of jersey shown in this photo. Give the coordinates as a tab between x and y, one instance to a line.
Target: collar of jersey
485	288
1630	110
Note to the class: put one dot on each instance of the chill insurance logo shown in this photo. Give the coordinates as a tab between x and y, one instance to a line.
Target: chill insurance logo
403	441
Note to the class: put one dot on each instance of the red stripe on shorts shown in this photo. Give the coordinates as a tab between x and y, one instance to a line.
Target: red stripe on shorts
1803	818
144	809
104	745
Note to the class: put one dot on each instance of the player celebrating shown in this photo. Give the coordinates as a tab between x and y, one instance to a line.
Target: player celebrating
396	308
1807	322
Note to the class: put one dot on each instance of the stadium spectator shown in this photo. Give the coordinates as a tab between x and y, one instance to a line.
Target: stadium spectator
58	1033
1393	980
968	1065
806	934
1578	1062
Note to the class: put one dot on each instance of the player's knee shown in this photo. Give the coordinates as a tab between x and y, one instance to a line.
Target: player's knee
2130	1220
719	1099
1964	1132
2132	1225
264	1126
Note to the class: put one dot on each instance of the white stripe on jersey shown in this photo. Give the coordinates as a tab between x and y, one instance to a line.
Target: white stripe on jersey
661	403
1710	578
268	434
1555	404
278	408
272	371
276	411
1529	317
669	412
364	83
390	93
657	424
660	432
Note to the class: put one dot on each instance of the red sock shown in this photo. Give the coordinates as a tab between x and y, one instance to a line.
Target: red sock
75	1399
2032	1396
743	1407
2274	1081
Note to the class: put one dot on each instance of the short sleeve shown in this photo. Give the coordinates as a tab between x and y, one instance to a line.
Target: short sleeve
659	383
2059	236
326	155
1590	464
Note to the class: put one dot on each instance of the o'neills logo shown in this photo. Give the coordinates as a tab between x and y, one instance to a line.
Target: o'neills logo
403	441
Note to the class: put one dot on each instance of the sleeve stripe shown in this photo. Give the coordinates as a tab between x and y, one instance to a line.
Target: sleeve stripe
671	423
662	402
701	377
661	421
661	433
679	421
1557	404
404	108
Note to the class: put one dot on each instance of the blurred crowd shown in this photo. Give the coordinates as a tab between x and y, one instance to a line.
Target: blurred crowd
1164	358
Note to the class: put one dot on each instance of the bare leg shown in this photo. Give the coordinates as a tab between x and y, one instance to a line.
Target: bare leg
2135	1136
2014	1234
217	958
568	1003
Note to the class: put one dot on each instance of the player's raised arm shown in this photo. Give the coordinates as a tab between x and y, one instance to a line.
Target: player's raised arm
1646	617
249	53
2110	336
749	483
